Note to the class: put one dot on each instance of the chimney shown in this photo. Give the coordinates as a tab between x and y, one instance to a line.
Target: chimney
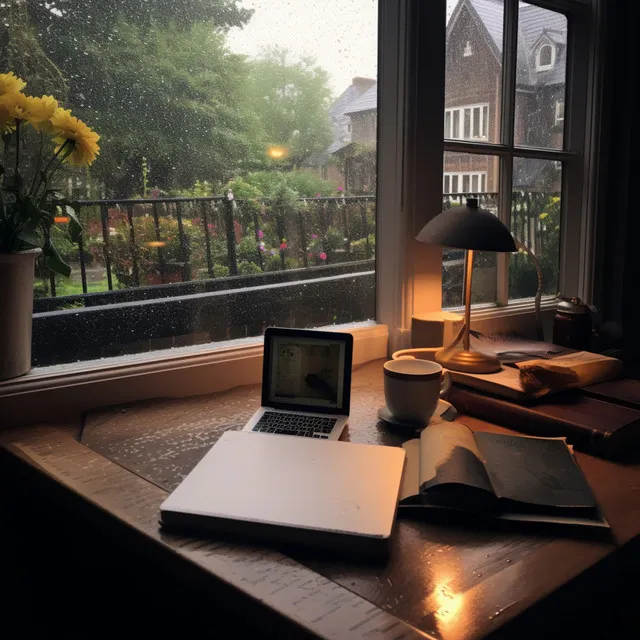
363	83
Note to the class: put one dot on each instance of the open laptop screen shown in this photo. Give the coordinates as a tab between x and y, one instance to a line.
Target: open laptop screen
307	372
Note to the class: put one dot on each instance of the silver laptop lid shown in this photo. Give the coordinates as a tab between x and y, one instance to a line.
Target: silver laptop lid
307	370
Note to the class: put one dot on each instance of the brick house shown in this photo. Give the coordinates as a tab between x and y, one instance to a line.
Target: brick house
472	101
332	164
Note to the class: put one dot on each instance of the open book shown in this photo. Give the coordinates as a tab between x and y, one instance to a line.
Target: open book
500	476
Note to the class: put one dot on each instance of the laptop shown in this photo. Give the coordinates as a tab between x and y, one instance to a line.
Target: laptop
306	384
337	495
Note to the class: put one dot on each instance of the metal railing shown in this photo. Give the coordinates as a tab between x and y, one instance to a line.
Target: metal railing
139	242
158	241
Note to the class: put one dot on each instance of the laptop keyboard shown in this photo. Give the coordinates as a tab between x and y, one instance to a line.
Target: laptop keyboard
295	424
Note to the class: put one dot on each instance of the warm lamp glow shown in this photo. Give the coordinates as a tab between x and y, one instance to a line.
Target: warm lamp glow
449	604
276	153
61	219
156	243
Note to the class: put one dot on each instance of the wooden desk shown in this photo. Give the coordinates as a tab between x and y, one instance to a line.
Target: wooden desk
439	581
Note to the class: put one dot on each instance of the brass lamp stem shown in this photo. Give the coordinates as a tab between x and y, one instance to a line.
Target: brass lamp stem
468	273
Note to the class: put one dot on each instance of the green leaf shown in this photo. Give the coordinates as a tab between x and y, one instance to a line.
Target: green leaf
75	228
18	180
32	215
53	260
29	236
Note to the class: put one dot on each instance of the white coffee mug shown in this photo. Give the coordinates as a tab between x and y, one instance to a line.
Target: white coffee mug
412	388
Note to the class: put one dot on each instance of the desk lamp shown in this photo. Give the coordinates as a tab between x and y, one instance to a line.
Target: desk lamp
472	229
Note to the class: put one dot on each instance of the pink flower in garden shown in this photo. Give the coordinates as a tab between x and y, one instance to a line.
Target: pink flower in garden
211	226
310	255
260	233
262	247
318	195
340	188
283	246
322	256
314	236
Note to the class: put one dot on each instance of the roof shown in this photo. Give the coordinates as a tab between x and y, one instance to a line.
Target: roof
340	121
490	14
534	23
368	101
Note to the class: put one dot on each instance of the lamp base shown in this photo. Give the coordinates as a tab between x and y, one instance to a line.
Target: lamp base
467	361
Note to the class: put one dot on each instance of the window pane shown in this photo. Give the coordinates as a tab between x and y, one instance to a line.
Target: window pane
477	132
474	65
535	222
456	124
470	171
447	124
541	69
238	151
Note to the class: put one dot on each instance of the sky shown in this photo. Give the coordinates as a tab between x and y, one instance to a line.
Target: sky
342	35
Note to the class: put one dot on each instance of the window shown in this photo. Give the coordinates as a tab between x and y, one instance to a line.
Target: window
467	123
523	187
491	77
229	170
465	182
546	57
468	51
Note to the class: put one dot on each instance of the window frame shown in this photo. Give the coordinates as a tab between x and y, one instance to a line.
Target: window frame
483	121
559	108
573	276
410	168
410	273
447	177
552	48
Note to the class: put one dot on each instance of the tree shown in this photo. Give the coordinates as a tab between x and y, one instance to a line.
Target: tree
153	81
291	102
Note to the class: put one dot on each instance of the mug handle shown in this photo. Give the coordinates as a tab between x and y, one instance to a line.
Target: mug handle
445	385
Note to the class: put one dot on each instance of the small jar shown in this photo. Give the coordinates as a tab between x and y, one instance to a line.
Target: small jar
572	324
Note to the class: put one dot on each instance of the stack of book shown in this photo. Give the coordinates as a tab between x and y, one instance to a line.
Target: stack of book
577	395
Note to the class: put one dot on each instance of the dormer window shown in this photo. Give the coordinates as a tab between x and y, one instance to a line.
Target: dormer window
468	51
545	57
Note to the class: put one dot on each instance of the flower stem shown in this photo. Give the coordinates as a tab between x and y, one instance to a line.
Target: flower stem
36	173
17	145
55	157
67	153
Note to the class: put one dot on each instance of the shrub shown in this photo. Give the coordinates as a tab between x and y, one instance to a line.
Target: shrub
219	271
360	250
247	249
248	268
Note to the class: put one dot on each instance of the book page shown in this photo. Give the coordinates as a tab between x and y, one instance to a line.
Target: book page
449	455
537	471
410	486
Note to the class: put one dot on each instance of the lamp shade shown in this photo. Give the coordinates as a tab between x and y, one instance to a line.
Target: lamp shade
468	227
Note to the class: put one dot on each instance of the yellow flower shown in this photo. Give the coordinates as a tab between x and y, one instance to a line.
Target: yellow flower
7	121
10	83
11	109
39	111
65	128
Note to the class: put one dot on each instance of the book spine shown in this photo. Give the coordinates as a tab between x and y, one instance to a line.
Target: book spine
526	420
